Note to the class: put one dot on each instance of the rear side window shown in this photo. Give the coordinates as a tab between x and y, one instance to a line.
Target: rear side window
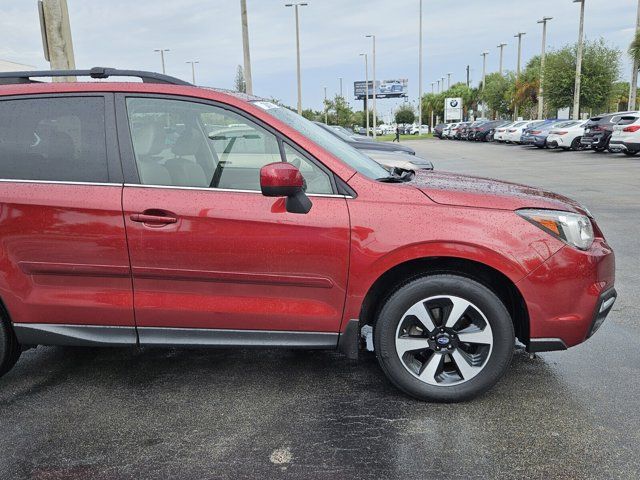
53	139
627	120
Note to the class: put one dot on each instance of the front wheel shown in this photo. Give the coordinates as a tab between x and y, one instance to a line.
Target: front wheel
444	338
10	350
630	153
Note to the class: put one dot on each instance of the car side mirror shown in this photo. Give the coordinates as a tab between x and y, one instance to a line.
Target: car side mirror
282	179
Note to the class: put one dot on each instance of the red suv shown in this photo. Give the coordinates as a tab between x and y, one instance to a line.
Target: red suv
162	214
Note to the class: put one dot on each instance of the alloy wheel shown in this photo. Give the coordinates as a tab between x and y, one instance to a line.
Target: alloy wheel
444	340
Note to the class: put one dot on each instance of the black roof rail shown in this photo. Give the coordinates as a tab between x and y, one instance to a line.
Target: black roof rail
8	78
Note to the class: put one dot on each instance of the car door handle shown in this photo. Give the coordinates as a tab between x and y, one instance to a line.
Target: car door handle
153	219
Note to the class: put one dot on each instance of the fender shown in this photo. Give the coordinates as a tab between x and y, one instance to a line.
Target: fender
362	279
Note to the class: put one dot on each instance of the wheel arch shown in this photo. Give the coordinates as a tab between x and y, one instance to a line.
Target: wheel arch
492	278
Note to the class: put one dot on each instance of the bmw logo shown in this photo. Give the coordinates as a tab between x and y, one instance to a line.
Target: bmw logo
453	103
442	340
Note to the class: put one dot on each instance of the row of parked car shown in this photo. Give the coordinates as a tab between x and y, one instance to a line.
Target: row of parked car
615	132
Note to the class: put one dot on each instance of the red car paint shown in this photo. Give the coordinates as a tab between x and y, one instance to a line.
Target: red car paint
163	257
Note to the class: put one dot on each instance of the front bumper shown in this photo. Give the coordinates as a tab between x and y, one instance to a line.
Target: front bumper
565	296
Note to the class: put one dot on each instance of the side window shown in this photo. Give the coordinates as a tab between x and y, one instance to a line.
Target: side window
316	179
54	139
181	143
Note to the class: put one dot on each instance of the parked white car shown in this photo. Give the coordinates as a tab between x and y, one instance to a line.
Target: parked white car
499	134
626	135
448	130
567	138
423	129
514	132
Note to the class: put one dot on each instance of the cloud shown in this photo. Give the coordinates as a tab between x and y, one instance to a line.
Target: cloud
124	33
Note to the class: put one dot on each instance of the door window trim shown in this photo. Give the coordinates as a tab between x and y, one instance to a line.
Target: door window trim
114	163
127	155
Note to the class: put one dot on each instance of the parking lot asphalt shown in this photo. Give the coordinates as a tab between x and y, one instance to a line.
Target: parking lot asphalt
122	413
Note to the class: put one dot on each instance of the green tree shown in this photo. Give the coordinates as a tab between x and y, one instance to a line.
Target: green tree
619	97
434	102
600	72
239	83
498	92
339	112
312	115
405	114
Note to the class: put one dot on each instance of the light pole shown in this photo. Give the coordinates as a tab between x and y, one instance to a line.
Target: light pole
633	92
326	112
245	48
433	84
576	94
442	84
296	5
340	78
519	37
439	91
375	92
542	58
366	88
162	50
501	47
420	74
449	80
193	70
484	78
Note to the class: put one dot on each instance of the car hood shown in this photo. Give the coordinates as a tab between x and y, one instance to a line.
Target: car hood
461	190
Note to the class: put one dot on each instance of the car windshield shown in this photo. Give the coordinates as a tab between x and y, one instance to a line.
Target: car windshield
345	152
335	132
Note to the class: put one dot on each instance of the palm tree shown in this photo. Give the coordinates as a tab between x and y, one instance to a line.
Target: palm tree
634	53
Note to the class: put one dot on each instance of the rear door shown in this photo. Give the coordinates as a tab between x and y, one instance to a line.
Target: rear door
208	250
63	256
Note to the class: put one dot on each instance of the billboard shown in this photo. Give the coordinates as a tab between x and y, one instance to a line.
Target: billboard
396	88
452	109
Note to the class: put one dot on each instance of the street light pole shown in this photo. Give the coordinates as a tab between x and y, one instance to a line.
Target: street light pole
484	78
439	90
366	88
442	84
193	70
449	80
433	84
162	50
326	112
576	94
340	78
542	58
519	37
420	74
296	5
375	113
501	47
245	48
633	92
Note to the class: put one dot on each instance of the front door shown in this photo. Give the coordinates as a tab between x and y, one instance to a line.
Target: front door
207	250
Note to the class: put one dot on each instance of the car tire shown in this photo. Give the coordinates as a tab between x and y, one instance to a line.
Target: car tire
630	153
10	350
459	371
576	144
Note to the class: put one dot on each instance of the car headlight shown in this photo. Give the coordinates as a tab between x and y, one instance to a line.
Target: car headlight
572	228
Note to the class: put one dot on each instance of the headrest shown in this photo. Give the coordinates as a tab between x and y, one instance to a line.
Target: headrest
187	143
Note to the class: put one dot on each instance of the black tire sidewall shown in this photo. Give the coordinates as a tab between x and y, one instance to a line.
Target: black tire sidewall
429	286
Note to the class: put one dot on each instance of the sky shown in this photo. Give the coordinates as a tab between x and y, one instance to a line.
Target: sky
124	34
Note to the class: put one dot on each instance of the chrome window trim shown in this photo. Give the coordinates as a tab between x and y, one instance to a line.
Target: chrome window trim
231	190
61	182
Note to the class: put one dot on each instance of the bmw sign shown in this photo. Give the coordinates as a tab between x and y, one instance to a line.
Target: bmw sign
452	109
